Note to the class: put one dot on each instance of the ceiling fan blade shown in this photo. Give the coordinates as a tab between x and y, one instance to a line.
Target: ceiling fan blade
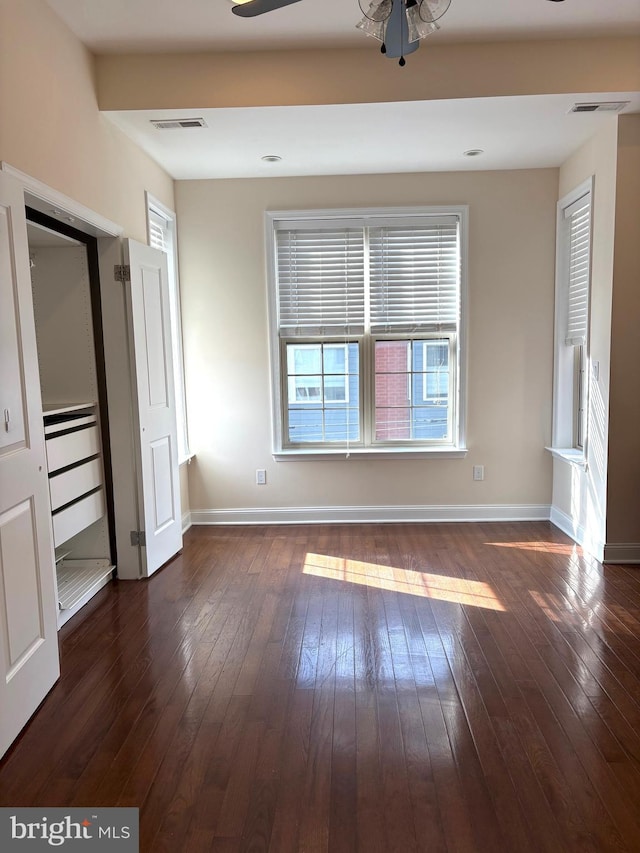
259	7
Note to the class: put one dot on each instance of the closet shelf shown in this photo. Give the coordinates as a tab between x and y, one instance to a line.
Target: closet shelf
64	408
78	580
61	553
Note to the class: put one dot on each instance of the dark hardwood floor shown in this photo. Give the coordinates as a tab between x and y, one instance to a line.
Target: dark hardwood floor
436	687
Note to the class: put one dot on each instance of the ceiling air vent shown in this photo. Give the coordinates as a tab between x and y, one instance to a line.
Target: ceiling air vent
176	123
600	107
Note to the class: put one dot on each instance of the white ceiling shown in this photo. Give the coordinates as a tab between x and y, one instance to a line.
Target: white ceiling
160	25
417	136
529	132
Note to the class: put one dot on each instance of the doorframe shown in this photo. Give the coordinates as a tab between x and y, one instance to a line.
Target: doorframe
47	200
36	217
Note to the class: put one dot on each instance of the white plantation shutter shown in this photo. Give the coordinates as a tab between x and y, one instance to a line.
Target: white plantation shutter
415	276
162	236
578	221
320	275
159	237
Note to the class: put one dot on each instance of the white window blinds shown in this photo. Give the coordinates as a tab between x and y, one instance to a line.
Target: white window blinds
414	277
578	221
399	276
320	274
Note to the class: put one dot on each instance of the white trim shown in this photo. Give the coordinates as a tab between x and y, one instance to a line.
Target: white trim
567	524
396	453
622	552
43	197
375	514
377	213
462	338
577	532
569	454
155	204
186	522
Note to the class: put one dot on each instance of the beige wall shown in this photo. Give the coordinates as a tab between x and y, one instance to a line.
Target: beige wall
623	510
511	263
50	126
361	76
582	495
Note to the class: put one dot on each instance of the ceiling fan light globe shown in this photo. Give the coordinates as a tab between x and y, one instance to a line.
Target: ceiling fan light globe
376	10
418	28
433	10
375	29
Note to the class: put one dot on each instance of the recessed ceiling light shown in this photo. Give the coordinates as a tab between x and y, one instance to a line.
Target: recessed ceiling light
473	152
271	158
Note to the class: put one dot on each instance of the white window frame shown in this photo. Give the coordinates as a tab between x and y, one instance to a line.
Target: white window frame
154	207
458	365
571	370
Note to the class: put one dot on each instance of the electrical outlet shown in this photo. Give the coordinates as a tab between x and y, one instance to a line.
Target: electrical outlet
261	476
478	472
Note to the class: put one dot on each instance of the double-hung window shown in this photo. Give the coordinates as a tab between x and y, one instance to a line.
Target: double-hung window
573	282
367	329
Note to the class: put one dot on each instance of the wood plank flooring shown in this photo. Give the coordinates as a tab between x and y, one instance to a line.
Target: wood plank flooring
341	688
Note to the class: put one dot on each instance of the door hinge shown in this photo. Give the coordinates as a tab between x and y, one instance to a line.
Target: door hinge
122	272
138	538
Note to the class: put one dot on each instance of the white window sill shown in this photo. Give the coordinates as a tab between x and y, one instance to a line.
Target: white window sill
569	454
371	453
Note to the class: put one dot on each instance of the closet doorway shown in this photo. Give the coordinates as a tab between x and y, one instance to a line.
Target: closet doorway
68	321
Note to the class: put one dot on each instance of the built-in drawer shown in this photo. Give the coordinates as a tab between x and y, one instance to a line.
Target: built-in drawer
51	427
76	517
63	450
74	483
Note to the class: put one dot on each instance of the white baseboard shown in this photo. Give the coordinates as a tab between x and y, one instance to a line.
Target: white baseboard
622	552
376	514
567	524
186	521
577	532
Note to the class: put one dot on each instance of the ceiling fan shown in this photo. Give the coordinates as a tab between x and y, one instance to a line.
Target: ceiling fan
399	24
251	8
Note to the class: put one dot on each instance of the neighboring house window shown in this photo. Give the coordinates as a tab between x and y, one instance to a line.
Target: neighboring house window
161	226
573	286
367	328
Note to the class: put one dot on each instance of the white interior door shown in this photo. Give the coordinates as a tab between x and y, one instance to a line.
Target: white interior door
148	298
29	662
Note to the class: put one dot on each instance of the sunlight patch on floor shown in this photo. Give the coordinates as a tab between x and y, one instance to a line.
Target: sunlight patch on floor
423	584
549	547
